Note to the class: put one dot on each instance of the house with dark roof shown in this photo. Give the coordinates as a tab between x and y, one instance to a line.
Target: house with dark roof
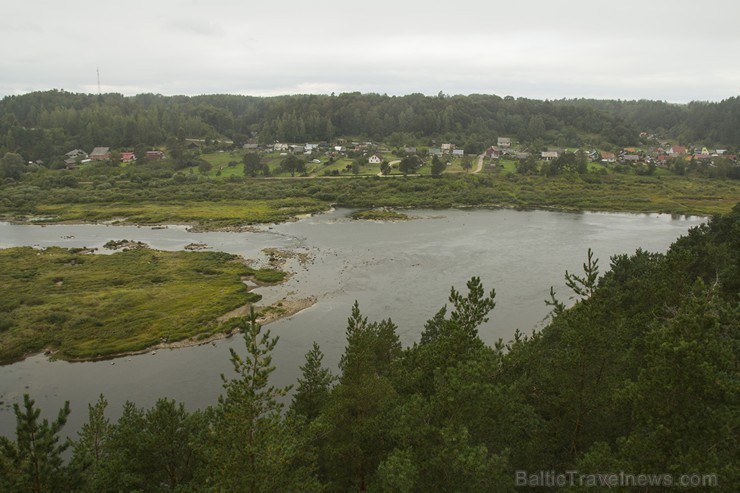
100	154
74	157
493	152
75	154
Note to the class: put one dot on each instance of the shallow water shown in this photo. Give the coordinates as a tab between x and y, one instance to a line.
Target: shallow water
401	270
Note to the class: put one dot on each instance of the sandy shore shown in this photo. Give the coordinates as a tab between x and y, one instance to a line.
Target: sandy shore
283	309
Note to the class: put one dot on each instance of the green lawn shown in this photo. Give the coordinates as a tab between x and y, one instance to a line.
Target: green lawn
597	166
507	166
663	172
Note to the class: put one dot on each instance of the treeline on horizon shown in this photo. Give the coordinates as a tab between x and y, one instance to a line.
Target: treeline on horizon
639	376
45	125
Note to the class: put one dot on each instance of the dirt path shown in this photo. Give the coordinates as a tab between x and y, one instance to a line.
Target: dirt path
480	164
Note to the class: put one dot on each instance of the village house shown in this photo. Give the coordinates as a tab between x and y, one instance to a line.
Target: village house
127	157
493	152
154	155
458	152
279	147
504	142
409	150
608	157
76	154
375	159
702	150
100	154
549	155
74	157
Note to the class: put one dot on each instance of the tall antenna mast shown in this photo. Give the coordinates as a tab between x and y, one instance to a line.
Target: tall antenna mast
98	70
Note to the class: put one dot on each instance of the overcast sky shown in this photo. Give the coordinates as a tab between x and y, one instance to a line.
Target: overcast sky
672	50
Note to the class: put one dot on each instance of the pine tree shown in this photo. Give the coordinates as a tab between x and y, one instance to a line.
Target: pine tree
33	463
90	448
252	450
357	413
314	386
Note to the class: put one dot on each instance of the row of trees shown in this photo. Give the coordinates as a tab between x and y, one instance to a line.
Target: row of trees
639	375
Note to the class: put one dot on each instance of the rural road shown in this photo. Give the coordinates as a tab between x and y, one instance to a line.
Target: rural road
480	164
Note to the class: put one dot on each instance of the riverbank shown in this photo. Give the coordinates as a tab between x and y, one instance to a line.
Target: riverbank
211	205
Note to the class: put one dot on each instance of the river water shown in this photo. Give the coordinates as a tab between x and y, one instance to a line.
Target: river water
401	270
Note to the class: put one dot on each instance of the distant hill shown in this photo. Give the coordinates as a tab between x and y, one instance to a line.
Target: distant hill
45	125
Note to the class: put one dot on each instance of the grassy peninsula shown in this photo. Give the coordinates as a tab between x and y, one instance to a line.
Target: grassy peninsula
80	305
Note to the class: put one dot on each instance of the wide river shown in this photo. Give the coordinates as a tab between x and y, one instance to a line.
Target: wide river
401	270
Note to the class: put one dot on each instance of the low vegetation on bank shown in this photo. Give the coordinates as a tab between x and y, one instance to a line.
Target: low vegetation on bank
380	215
214	204
85	306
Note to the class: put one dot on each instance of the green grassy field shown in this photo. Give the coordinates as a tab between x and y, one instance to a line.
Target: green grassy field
506	166
211	214
85	306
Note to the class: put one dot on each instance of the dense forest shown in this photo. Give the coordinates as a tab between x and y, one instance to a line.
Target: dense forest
638	375
45	125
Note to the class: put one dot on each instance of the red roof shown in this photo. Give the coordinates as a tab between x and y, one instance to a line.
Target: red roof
127	156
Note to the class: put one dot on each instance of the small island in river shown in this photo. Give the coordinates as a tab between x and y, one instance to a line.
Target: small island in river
76	305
